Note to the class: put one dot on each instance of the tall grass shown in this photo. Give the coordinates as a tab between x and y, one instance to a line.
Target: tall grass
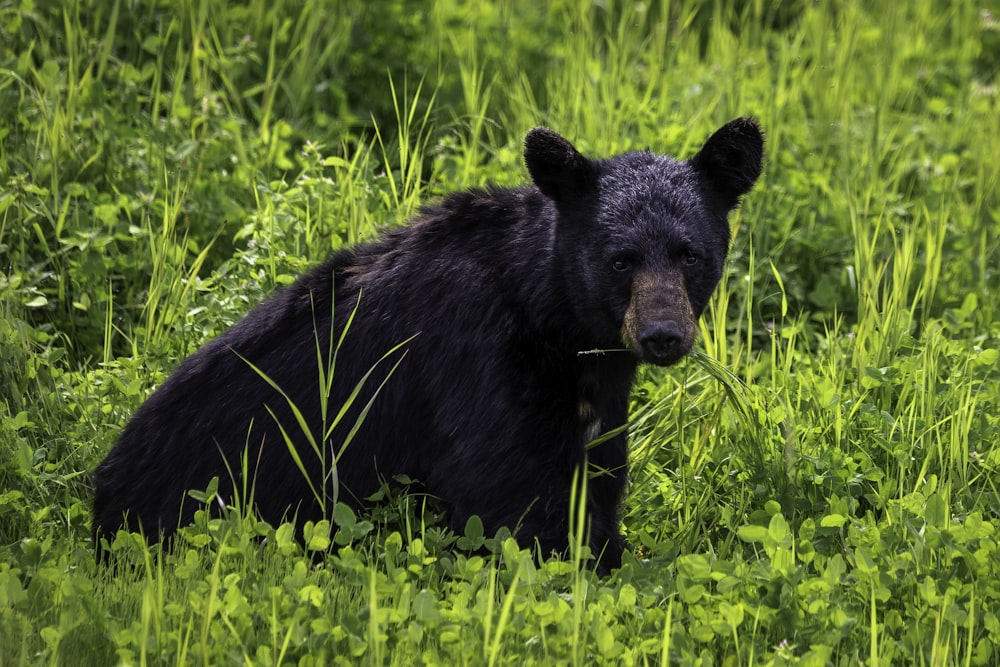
817	485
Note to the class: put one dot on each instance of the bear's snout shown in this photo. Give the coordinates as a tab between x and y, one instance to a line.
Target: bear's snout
659	325
663	342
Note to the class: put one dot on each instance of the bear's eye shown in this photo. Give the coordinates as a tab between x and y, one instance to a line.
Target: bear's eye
690	259
621	264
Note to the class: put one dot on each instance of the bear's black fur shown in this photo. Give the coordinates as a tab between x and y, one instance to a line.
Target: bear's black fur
501	298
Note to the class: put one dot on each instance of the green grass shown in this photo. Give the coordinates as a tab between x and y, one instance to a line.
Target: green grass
818	486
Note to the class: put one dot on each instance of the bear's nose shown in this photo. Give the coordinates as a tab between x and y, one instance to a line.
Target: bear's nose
662	342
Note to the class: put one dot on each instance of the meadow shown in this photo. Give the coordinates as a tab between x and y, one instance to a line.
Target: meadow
819	484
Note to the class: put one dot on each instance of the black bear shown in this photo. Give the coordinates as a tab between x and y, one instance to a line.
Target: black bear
478	349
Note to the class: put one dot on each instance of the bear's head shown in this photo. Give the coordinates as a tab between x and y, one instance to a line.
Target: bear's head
641	238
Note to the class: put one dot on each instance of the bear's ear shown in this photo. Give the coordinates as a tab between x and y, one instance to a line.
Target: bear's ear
558	169
732	159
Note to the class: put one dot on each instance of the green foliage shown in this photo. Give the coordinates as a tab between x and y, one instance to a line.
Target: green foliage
819	486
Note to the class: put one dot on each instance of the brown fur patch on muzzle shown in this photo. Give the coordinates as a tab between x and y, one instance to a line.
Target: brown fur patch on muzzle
659	326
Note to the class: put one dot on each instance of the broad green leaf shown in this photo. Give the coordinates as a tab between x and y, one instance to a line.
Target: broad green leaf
749	533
